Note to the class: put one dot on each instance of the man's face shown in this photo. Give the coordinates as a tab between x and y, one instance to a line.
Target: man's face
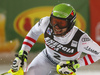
59	26
59	32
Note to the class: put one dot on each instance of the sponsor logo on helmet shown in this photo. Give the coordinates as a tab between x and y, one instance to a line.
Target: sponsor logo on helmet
72	13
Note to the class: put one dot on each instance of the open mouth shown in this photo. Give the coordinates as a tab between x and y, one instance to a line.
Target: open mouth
57	31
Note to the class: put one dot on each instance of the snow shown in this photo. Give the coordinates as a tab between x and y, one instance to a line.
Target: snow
87	70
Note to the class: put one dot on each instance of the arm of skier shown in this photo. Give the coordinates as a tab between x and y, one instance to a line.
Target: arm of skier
29	41
92	54
90	48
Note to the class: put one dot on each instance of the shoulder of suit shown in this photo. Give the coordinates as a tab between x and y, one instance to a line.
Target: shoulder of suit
76	28
44	22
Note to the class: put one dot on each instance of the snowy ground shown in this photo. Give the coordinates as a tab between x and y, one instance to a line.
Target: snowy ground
6	62
91	70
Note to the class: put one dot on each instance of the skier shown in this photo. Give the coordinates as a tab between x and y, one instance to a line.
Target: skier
64	44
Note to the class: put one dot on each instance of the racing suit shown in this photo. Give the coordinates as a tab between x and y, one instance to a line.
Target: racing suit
67	47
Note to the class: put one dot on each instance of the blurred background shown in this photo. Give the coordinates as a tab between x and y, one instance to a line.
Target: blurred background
18	16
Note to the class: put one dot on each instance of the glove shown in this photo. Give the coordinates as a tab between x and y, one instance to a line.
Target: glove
20	61
76	64
67	67
62	67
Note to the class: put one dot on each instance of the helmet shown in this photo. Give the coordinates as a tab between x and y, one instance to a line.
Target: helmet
66	13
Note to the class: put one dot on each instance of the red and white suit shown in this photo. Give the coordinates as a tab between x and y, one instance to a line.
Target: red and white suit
68	47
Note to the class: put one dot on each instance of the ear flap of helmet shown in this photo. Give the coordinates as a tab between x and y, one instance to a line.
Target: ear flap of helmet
72	20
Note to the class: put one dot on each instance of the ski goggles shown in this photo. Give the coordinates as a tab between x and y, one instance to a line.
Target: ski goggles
61	23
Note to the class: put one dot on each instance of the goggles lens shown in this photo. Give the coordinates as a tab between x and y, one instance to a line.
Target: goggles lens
58	22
